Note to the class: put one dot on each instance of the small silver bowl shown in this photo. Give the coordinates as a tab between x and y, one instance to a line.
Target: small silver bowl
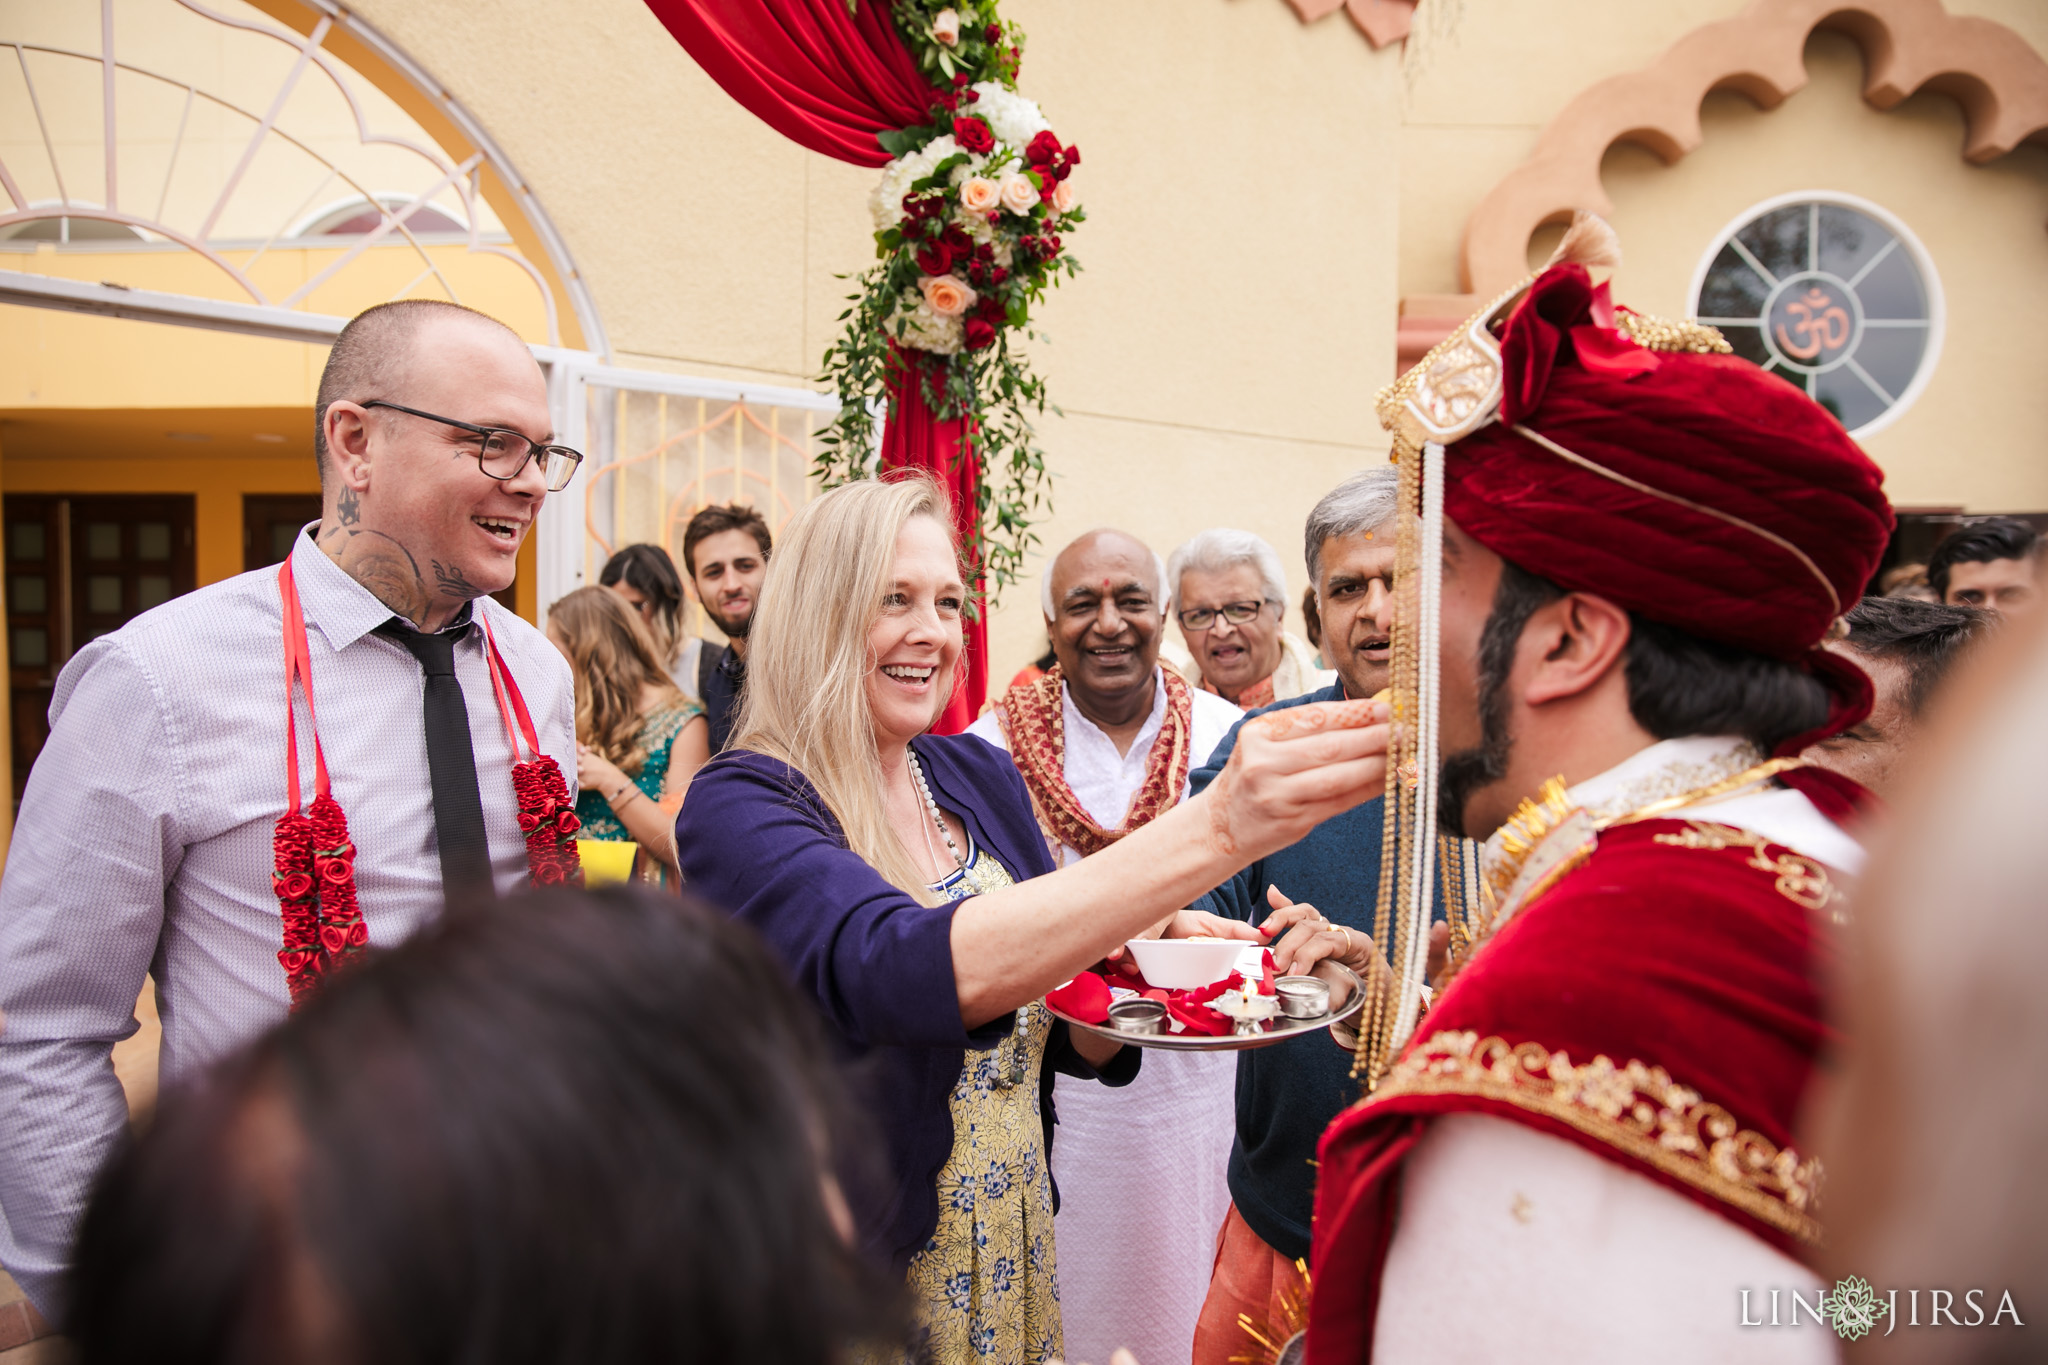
1138	1016
1303	997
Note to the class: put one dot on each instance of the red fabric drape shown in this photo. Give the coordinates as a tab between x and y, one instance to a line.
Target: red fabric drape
822	77
830	80
914	438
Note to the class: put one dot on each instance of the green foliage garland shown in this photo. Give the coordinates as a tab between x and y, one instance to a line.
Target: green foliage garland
968	220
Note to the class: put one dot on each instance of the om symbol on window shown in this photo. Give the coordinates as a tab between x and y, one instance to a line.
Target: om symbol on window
1819	322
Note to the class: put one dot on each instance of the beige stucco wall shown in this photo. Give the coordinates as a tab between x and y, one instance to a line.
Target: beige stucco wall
1484	77
1216	360
1974	436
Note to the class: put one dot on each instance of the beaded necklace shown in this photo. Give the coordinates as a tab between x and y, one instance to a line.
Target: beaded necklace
313	857
1019	1063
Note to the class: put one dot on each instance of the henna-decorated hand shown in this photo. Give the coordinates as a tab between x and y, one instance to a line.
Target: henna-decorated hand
1294	769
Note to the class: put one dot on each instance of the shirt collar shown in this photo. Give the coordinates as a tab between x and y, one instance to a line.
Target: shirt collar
343	609
1670	767
1147	732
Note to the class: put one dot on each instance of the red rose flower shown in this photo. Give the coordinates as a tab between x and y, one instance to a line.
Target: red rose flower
993	33
959	79
547	874
1002	274
528	821
567	823
935	258
333	937
1042	149
294	886
977	274
980	334
956	237
991	309
973	134
358	934
333	871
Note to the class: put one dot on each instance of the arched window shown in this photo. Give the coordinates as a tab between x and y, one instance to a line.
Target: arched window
360	217
1833	293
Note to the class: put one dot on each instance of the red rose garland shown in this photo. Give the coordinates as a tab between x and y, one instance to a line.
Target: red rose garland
546	814
313	858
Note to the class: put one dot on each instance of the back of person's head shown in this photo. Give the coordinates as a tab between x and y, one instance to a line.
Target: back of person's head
648	570
1222	548
731	516
1364	502
1981	542
1924	638
615	663
590	1127
806	700
368	357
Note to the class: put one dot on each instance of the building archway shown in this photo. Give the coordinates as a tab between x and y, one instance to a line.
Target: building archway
1908	46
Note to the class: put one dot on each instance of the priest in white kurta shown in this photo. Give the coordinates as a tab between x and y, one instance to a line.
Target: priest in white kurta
1105	741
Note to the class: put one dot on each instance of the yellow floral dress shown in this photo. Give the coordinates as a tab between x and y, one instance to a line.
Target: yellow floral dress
985	1284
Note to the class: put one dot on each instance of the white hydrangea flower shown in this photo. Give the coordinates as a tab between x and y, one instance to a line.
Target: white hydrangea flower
923	328
885	202
975	225
1012	118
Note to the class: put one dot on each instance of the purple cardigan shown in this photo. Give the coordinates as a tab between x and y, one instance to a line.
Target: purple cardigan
755	839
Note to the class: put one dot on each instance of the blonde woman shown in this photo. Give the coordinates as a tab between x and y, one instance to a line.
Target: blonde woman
639	741
902	879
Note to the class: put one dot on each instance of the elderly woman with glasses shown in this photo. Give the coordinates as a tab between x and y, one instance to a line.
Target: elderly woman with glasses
903	879
1232	600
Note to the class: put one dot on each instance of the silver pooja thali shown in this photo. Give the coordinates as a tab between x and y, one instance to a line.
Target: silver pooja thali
1311	1004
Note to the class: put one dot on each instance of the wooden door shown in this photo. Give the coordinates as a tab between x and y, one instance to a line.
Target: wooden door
271	522
79	567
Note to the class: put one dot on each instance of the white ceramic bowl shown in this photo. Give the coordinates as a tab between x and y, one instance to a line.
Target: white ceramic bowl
1182	964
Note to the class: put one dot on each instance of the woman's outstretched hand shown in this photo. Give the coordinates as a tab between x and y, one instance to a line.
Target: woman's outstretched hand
1294	769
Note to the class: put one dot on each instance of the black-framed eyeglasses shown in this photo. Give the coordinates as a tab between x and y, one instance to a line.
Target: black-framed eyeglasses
501	454
1237	613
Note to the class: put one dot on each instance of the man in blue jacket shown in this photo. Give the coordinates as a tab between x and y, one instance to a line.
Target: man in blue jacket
1329	883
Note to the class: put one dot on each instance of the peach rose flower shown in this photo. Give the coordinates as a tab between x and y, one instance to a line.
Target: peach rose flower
948	295
1019	194
980	195
946	27
1063	196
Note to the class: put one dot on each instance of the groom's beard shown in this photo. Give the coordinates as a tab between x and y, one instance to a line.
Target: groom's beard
1465	773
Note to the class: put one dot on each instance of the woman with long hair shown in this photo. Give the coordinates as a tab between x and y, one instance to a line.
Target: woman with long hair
639	741
902	878
647	579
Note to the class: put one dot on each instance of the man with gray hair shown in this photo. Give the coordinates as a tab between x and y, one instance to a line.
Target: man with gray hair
1105	741
1232	600
1316	899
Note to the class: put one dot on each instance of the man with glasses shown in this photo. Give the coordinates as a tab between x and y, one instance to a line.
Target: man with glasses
150	829
1232	599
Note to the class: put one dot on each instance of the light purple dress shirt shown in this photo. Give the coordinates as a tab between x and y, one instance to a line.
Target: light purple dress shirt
143	846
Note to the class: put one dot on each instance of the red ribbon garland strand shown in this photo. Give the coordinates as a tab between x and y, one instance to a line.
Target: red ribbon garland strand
312	856
313	859
546	814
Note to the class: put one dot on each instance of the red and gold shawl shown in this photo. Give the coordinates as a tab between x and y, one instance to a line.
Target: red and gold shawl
1033	719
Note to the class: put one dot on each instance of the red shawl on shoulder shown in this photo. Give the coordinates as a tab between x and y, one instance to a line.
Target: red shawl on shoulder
1660	1006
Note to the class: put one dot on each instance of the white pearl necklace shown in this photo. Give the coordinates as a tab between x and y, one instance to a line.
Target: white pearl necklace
1019	1064
932	806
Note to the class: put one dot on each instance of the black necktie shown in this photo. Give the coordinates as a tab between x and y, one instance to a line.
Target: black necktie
451	764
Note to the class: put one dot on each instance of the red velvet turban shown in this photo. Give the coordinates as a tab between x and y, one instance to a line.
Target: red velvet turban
1726	502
